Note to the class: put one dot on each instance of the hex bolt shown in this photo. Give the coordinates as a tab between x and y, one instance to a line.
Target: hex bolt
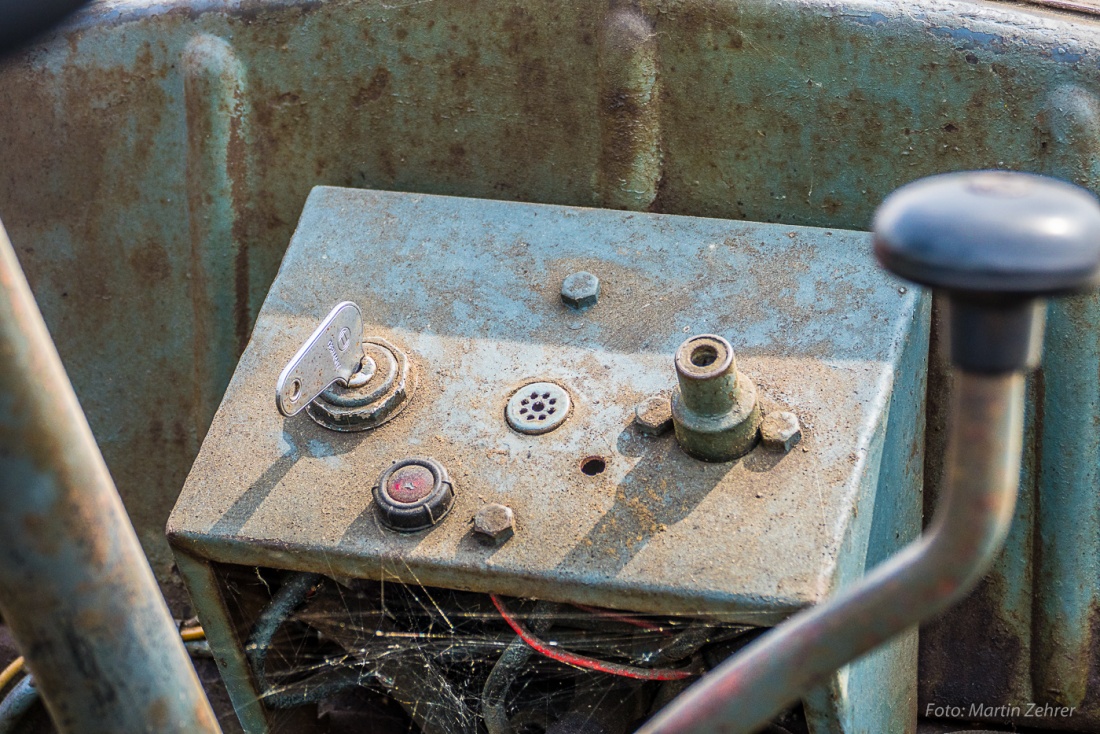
495	522
780	431
654	416
715	412
580	291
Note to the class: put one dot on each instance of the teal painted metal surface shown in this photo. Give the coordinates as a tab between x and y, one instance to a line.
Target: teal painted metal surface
509	103
1067	553
806	112
1029	634
470	288
879	689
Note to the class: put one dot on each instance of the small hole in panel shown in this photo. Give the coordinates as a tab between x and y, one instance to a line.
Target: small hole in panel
704	355
538	407
593	465
295	389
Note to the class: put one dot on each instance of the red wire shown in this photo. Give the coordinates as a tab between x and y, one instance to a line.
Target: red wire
619	617
582	661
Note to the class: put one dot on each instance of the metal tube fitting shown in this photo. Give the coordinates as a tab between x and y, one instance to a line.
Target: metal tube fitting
75	588
715	412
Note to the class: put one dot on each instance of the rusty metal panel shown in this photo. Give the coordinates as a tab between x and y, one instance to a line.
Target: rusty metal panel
177	142
470	290
75	590
158	154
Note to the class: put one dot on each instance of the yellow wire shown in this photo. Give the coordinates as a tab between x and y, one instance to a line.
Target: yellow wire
14	668
10	672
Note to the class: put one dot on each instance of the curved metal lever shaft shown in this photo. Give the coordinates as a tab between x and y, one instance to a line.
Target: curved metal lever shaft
924	579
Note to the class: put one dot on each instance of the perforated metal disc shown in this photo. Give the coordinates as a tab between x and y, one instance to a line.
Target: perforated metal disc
538	407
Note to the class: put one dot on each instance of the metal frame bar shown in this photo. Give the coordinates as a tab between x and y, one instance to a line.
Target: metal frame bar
75	587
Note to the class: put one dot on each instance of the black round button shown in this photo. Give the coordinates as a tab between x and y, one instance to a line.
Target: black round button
991	232
413	494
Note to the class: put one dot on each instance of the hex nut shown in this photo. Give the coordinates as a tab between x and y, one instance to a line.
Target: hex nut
780	431
580	290
654	416
495	522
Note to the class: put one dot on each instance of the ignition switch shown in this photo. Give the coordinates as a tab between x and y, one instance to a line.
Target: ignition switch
347	382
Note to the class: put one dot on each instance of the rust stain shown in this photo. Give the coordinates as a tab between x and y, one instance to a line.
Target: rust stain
157	714
375	88
237	167
151	262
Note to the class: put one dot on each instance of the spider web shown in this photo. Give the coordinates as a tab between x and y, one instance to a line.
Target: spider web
382	657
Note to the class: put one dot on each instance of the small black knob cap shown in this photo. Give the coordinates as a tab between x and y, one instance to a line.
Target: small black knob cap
413	494
993	232
996	242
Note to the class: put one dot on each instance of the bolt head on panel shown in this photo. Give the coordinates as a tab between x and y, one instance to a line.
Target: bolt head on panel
580	290
780	431
654	416
495	522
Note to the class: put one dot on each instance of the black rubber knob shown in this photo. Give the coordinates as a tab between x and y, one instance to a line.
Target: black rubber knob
995	241
991	232
413	494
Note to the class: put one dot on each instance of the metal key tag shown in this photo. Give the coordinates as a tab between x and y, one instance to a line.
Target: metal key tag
333	354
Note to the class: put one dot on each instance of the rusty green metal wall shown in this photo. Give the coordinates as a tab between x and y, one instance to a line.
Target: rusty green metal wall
154	157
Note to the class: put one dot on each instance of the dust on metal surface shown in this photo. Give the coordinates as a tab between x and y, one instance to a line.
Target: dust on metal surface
178	141
641	532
